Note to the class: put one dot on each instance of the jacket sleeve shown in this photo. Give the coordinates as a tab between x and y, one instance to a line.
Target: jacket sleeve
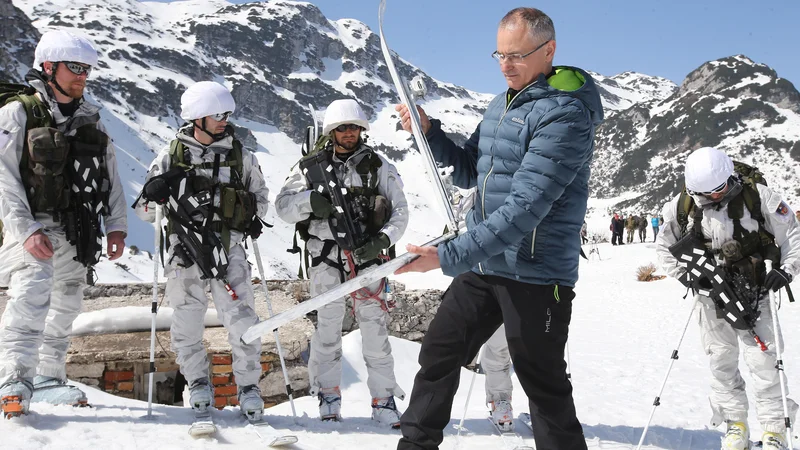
146	210
561	145
293	202
117	218
258	186
463	159
780	221
391	187
669	234
14	208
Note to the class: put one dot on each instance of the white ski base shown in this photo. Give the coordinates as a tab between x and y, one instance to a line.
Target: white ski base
270	435
202	426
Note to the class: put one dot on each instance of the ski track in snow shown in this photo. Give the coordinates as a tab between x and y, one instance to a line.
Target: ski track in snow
622	334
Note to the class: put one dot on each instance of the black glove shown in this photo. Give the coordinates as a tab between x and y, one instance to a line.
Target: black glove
321	207
373	248
777	279
156	190
702	283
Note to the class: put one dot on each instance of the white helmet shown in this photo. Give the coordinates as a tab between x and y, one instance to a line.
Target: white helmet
60	45
341	112
206	98
706	169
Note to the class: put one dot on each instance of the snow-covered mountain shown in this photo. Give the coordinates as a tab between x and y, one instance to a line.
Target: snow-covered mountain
733	104
278	57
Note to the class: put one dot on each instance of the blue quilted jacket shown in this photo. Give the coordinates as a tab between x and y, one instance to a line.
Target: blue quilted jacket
529	158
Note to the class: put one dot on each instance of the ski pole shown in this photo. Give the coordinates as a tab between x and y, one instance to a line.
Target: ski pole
154	310
672	359
773	306
469	392
275	331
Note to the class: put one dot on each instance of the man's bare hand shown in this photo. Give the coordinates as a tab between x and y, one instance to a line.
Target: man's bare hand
427	261
39	245
116	244
405	118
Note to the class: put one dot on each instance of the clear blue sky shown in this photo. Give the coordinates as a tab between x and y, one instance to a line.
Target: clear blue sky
452	40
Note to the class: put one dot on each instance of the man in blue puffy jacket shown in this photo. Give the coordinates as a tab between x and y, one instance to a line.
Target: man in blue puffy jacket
518	262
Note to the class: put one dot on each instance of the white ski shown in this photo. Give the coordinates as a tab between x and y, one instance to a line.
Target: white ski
202	425
511	439
407	99
270	435
364	279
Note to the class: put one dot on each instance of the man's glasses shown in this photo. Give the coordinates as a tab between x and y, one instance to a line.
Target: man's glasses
716	190
221	117
78	68
347	126
516	58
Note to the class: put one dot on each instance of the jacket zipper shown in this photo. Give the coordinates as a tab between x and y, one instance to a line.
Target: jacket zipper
491	166
533	241
491	161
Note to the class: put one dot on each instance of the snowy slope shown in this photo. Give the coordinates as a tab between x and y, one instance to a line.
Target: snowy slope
622	335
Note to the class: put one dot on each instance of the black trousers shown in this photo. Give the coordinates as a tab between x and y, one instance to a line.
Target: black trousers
536	319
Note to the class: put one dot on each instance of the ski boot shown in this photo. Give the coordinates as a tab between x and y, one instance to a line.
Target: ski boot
384	411
773	441
330	404
57	392
201	394
15	398
250	403
503	415
737	437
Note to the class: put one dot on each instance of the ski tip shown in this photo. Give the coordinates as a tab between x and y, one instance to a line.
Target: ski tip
280	441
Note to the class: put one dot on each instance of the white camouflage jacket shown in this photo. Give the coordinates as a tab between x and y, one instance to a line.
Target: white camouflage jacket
293	205
718	227
198	154
18	221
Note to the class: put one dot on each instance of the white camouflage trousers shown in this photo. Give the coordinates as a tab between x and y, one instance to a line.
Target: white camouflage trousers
325	360
728	398
186	293
496	364
45	298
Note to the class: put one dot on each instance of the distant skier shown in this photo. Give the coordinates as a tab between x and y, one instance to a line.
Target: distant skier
742	223
54	196
654	223
642	226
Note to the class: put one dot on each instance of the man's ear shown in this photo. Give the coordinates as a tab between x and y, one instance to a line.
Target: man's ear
47	66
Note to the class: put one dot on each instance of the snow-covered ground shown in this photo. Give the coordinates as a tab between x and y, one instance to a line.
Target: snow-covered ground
623	332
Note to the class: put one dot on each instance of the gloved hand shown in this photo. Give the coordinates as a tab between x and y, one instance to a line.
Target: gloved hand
777	279
373	248
702	283
321	207
156	190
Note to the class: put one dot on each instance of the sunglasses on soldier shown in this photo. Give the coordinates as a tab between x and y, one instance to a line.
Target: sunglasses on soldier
221	117
716	190
347	126
78	68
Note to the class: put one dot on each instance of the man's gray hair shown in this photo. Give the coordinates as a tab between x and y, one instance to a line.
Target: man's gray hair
539	24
